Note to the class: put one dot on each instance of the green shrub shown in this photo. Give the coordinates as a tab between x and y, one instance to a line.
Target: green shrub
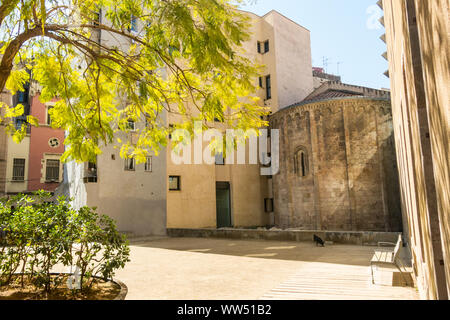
38	234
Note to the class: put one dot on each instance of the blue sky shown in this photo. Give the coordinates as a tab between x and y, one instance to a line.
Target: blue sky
344	31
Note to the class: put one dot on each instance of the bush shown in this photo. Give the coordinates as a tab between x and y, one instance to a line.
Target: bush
37	234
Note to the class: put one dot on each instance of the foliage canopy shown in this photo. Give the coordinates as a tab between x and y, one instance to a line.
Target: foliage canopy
154	58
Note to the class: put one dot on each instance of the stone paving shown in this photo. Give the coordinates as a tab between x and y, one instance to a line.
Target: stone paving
210	269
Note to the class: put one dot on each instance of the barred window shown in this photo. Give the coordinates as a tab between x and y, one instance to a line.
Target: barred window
52	170
129	164
148	164
174	183
18	170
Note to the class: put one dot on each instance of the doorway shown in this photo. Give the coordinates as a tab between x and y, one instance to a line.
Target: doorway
223	205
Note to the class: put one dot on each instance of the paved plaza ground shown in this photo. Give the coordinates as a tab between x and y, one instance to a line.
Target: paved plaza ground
191	268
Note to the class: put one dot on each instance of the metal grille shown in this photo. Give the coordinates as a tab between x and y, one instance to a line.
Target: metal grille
148	164
129	164
52	170
18	170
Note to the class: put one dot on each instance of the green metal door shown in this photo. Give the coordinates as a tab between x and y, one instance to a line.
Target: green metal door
223	205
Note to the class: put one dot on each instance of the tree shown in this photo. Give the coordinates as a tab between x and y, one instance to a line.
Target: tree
166	55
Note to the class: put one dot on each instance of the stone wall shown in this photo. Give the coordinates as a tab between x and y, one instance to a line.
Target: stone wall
417	37
337	237
347	178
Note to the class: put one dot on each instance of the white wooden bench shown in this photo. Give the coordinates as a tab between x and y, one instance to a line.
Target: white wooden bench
387	257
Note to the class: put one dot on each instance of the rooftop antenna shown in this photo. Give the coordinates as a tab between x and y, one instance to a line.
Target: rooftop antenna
325	61
338	64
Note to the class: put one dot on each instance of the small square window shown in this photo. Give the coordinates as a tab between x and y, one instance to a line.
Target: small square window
174	183
131	125
268	205
219	159
148	164
130	165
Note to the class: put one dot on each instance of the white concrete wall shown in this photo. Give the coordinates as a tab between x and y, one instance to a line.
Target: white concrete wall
293	59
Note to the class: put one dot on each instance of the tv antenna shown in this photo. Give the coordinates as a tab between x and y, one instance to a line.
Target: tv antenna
338	64
325	61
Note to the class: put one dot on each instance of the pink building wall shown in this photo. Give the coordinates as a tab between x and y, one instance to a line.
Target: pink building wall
39	146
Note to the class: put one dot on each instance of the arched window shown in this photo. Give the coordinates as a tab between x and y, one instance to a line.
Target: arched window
301	162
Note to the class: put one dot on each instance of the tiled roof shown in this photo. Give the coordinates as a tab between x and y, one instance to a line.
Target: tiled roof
330	94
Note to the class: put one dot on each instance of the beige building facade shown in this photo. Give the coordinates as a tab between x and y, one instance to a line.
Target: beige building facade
237	195
417	37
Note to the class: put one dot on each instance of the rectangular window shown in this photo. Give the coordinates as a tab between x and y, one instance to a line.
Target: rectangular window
148	164
266	46
268	88
91	173
49	119
133	24
52	170
174	183
130	164
260	82
131	125
219	159
22	97
268	205
170	130
97	18
18	170
259	47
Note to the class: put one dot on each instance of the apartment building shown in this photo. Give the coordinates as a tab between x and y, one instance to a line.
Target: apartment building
148	198
237	195
34	164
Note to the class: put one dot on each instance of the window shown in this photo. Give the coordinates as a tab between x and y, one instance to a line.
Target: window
174	183
18	170
263	47
301	166
219	159
91	173
268	205
133	24
171	127
260	82
266	46
268	88
52	170
22	97
49	118
148	164
131	125
19	123
130	164
97	18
